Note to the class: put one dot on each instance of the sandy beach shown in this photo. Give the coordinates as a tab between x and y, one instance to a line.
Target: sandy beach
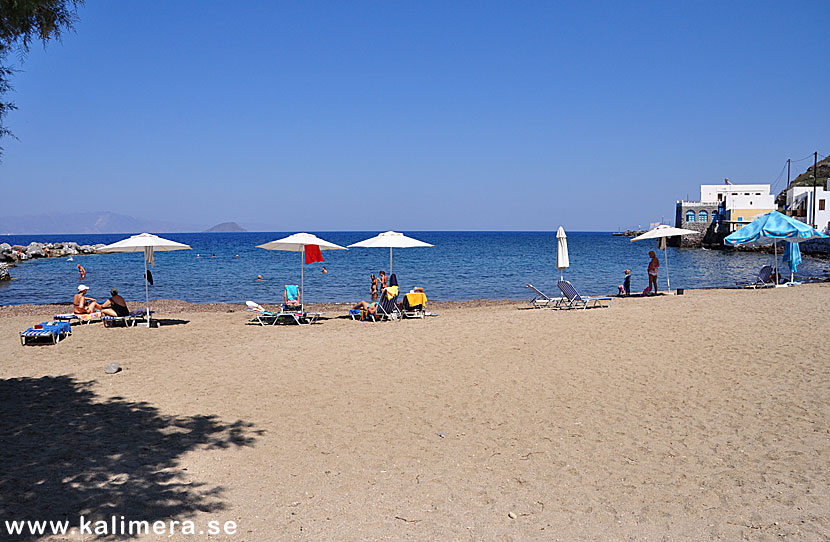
695	417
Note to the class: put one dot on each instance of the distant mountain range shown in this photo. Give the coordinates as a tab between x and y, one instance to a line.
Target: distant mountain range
95	222
107	222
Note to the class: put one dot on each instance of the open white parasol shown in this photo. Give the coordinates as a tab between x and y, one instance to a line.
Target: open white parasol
148	244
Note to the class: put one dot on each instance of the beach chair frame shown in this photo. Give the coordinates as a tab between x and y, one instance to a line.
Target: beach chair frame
85	318
540	299
413	311
131	320
763	280
269	318
573	300
387	308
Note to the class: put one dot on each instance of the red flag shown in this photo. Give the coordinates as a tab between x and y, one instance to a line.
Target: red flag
312	254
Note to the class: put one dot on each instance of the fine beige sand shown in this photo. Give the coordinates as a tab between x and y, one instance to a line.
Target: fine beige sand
695	417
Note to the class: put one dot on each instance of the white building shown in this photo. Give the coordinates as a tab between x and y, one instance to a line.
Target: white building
740	203
800	205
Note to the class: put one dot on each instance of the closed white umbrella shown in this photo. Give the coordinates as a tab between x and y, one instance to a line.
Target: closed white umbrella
660	232
391	239
562	261
297	243
148	244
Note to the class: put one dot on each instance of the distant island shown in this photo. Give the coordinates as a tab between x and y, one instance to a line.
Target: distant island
226	227
88	222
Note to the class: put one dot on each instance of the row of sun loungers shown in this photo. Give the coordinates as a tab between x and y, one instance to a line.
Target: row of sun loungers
570	299
130	320
387	309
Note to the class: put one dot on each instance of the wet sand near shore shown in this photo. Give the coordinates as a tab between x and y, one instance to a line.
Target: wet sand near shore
695	417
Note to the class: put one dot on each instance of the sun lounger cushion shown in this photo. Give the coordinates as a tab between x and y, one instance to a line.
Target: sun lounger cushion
80	317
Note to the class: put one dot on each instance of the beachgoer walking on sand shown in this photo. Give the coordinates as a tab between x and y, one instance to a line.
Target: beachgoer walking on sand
374	287
653	266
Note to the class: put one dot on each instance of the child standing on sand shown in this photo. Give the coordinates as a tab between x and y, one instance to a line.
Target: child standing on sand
625	287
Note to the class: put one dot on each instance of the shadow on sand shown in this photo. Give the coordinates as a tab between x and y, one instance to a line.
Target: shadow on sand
64	453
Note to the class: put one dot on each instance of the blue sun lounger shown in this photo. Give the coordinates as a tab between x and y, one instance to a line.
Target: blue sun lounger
572	298
53	331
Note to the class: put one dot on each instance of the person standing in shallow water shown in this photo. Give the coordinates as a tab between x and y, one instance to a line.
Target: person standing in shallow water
374	287
382	279
653	267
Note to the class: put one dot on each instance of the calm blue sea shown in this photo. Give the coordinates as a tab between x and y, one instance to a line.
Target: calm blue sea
461	266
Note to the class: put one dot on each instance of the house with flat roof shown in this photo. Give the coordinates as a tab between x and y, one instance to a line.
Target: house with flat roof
799	204
722	209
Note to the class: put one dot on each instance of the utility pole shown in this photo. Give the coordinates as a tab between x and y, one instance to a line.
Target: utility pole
815	182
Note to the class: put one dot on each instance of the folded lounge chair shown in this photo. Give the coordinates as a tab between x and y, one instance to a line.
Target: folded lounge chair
763	280
52	331
572	298
540	299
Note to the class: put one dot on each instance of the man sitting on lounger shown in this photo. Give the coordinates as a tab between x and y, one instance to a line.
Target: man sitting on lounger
115	305
83	304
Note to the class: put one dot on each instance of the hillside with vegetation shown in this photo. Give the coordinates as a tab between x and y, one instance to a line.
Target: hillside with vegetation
806	179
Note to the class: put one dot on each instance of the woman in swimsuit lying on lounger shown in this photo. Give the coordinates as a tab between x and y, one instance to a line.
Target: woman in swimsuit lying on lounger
115	305
366	306
83	304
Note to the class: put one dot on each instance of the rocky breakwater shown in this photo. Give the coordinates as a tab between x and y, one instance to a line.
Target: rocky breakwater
12	254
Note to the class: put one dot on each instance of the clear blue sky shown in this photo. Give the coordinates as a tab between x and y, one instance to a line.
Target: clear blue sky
414	115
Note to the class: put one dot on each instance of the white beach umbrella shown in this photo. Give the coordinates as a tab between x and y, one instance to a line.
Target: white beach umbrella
562	261
148	244
660	232
392	240
297	243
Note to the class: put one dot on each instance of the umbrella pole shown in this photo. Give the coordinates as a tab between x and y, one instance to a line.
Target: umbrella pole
146	289
666	256
390	261
775	248
302	276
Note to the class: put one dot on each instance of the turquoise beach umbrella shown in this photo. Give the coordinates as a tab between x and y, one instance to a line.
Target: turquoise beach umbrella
772	227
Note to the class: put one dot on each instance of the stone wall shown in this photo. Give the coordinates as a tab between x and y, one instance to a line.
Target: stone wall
711	232
815	247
